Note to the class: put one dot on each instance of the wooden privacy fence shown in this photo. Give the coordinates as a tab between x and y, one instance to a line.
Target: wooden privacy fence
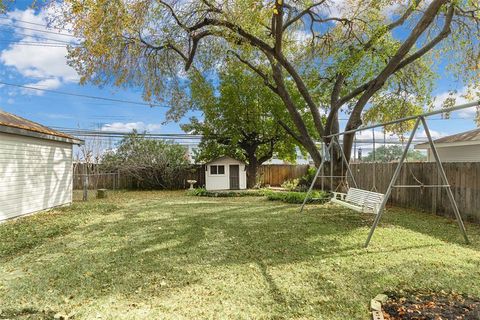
115	180
464	179
274	174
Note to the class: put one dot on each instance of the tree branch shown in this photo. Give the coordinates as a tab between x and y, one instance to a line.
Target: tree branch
256	70
290	131
429	46
302	88
301	14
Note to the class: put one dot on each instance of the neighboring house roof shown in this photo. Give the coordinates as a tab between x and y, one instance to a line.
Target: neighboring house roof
13	124
224	158
471	137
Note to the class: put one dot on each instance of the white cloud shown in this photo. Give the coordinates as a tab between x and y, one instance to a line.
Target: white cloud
56	116
128	127
302	36
460	98
46	63
350	8
435	134
364	139
49	84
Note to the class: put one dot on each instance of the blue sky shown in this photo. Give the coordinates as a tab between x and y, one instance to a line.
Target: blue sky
45	67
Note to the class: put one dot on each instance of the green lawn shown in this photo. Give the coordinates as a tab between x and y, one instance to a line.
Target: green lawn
157	255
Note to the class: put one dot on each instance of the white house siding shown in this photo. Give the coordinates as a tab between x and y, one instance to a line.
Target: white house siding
222	182
36	174
469	153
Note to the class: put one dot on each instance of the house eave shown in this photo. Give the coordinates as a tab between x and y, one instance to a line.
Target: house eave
38	135
426	146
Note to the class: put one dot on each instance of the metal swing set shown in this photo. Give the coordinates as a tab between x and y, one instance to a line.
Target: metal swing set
371	201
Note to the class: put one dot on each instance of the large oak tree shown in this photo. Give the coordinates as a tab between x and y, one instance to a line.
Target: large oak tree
343	56
238	120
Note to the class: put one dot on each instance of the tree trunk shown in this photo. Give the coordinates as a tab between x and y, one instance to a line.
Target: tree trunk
252	170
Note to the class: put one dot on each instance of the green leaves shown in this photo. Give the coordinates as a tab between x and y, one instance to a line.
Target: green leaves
240	116
149	44
154	164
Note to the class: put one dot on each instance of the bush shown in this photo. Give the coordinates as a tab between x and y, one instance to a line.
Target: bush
306	180
297	197
202	192
290	185
152	164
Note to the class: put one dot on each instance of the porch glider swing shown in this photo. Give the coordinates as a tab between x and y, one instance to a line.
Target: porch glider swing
371	201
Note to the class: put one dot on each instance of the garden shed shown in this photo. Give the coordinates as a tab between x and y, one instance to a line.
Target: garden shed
225	173
35	167
460	147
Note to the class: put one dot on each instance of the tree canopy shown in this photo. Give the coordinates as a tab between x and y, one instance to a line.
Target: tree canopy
239	119
368	59
238	113
393	153
154	164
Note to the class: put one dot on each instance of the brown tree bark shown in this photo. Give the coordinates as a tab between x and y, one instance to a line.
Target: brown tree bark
252	170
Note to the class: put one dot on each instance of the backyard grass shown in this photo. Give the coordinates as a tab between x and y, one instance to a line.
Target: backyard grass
157	255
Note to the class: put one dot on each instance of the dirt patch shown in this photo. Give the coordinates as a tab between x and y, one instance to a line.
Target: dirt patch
431	306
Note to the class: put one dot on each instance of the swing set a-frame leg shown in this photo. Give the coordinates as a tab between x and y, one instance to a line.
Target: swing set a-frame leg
441	170
397	173
313	184
381	209
326	155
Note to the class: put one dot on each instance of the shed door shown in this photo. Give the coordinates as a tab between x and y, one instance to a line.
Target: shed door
234	177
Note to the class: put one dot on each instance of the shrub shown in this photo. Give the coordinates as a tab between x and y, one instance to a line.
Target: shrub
306	180
199	192
297	197
152	164
290	185
202	192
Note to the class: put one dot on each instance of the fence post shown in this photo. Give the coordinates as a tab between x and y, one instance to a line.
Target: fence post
85	187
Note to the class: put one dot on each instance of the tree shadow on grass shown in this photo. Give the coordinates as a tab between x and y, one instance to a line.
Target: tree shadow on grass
134	253
439	227
154	249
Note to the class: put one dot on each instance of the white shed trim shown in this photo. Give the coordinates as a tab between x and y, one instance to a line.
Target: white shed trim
223	181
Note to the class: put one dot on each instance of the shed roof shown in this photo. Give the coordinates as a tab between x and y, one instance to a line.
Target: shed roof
464	138
224	158
13	124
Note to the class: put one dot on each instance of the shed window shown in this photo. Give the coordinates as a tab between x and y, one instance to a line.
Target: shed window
217	169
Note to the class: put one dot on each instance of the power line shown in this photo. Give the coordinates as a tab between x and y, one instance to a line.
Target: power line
438	119
83	95
35	44
86	132
28	22
34	36
38	30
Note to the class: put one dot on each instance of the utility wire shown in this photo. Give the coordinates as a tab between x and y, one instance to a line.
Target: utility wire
35	44
38	30
83	95
5	30
28	22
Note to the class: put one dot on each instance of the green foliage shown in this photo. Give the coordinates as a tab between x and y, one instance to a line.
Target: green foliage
307	179
240	118
297	197
393	153
291	185
343	57
202	192
154	164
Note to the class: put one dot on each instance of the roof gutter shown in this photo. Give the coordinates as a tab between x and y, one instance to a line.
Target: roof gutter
426	146
38	135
